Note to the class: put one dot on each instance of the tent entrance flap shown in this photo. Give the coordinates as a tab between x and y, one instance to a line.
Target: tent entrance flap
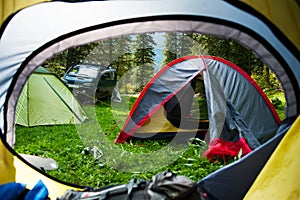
165	85
240	115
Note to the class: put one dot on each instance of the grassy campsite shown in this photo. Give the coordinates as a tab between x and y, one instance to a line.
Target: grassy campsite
86	154
79	166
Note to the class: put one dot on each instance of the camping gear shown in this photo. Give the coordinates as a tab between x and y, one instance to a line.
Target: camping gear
166	185
163	186
41	162
134	190
45	100
270	30
18	191
234	125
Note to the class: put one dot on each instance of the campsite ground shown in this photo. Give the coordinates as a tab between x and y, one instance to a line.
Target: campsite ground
106	164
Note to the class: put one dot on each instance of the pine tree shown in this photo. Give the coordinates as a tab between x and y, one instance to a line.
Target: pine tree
143	60
176	45
229	50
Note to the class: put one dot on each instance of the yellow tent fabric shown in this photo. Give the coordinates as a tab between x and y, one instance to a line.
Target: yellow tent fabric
15	170
159	124
7	169
8	7
284	14
280	178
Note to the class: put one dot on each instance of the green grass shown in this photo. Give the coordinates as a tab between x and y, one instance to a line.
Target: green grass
114	163
278	100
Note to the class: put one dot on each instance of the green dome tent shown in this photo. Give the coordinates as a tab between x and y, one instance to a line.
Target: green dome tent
45	100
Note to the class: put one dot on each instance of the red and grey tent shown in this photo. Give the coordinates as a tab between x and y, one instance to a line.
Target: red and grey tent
234	122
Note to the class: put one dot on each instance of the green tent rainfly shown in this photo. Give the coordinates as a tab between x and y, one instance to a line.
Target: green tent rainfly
45	100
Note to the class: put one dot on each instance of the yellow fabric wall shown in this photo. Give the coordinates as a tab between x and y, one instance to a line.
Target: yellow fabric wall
8	7
280	178
13	169
285	14
7	168
158	123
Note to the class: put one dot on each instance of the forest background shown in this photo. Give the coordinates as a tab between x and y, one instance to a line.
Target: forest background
154	50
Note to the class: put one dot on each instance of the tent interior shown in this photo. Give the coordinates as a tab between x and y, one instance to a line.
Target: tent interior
181	114
191	70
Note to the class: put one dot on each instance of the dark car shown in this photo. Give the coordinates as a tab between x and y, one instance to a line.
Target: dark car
91	81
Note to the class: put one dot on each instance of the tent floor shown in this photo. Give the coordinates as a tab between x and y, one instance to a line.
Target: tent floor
177	138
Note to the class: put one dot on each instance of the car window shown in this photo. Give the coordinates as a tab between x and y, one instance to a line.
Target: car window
74	71
90	72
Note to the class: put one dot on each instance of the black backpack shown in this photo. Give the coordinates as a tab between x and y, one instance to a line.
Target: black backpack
163	186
